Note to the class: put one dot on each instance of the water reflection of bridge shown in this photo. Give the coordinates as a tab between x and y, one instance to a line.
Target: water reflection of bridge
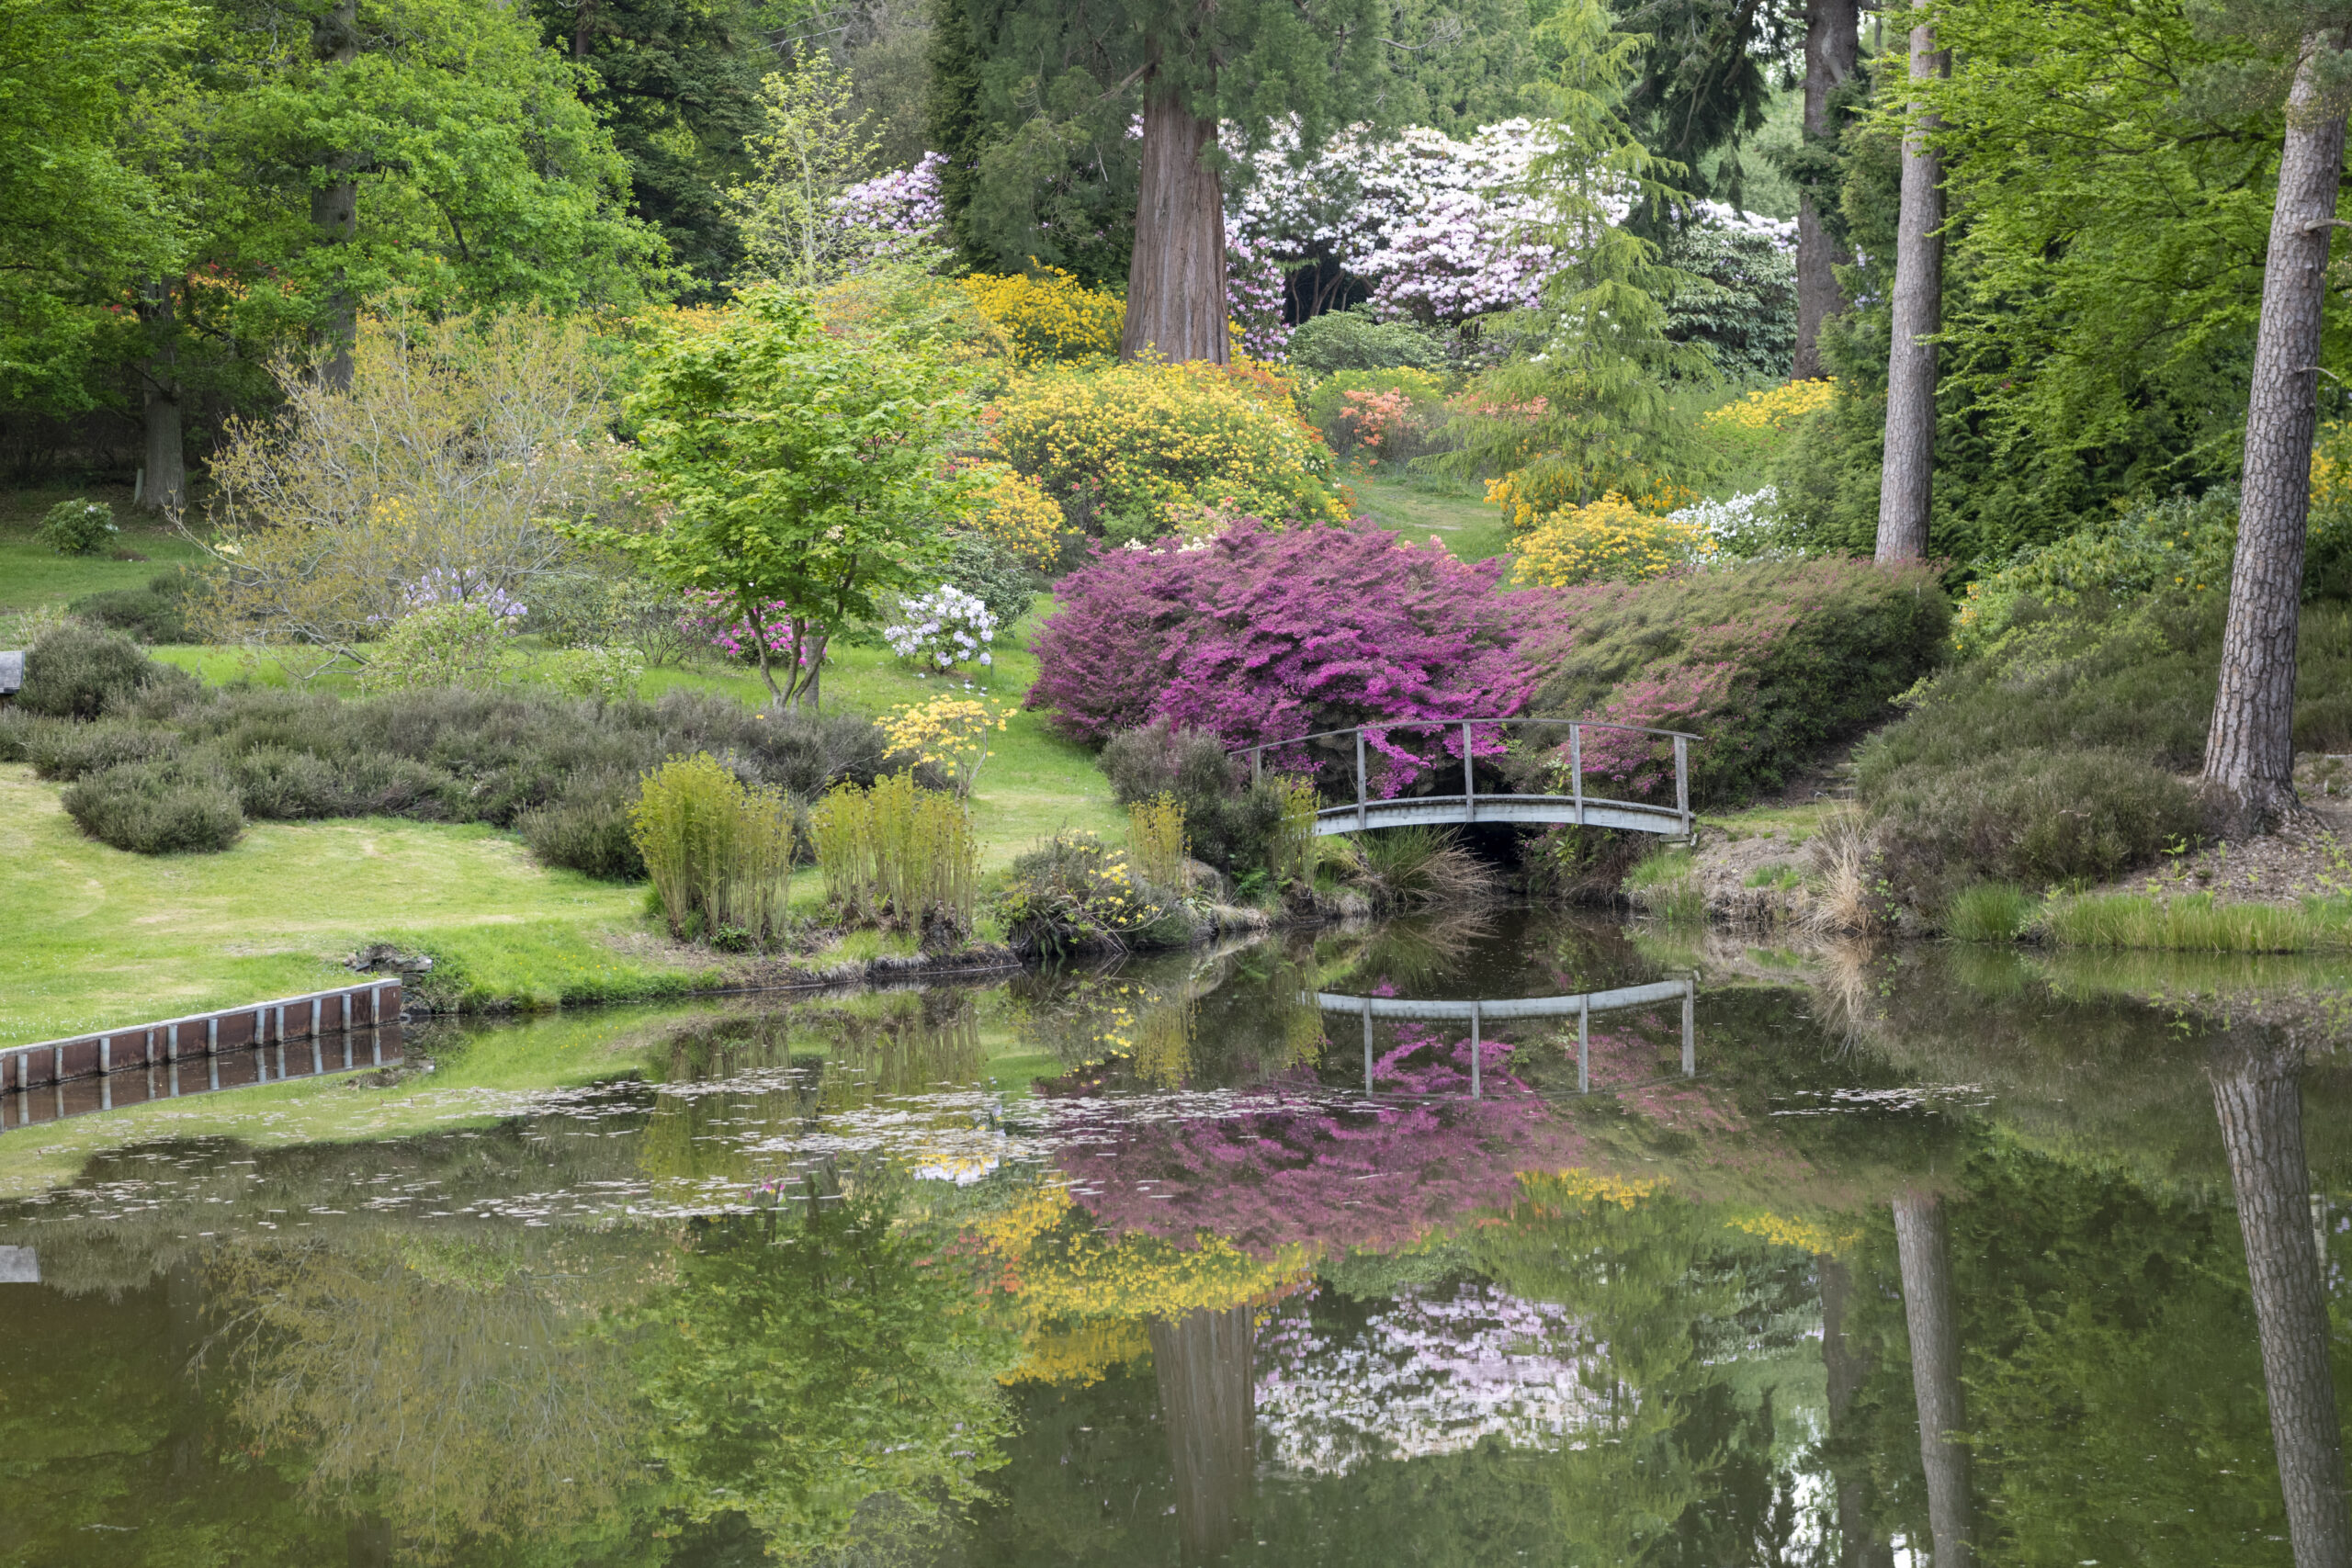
1477	1014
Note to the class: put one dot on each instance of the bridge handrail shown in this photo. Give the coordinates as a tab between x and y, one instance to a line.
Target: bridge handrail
1449	723
1469	795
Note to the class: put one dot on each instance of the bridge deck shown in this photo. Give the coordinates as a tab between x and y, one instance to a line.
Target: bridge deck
1455	811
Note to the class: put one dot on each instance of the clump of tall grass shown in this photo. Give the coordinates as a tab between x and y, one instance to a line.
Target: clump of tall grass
2195	923
1665	882
1990	911
896	854
1156	838
1423	868
1853	900
719	851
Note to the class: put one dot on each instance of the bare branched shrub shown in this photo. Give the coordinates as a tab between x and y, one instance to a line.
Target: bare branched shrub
438	476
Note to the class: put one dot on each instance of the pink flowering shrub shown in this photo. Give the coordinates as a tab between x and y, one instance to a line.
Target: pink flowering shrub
1261	635
710	618
1298	1167
1770	662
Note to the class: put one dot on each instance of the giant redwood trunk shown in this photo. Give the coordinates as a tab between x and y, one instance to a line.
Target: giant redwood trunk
1923	1247
2250	751
1176	282
1848	1366
1906	479
1832	38
1209	1402
165	484
2257	1093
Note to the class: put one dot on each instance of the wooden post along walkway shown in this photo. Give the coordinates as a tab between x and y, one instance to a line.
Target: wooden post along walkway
1577	808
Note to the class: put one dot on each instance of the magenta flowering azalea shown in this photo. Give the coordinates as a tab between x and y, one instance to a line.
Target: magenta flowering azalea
1262	635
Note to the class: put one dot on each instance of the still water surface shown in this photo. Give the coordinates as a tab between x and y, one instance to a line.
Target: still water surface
1125	1266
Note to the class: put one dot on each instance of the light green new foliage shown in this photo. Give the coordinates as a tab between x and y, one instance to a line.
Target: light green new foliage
801	472
895	853
720	851
1156	839
812	151
1290	856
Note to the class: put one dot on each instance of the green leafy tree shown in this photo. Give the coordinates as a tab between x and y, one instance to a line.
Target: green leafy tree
1586	406
811	148
798	472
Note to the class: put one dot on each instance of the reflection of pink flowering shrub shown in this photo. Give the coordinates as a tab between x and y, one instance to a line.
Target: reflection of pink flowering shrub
1262	635
1306	1170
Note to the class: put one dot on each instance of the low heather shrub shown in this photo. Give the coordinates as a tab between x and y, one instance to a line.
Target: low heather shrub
586	828
157	612
173	805
2036	818
74	672
1260	635
61	750
1770	662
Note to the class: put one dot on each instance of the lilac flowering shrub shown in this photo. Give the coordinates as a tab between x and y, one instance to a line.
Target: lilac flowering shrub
1770	662
1257	636
899	214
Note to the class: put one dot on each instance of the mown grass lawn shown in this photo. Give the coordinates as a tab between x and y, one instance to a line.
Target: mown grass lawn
33	574
1469	526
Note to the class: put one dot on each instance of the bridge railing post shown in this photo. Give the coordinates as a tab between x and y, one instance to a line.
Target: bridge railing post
1576	767
1682	781
1469	784
1257	764
1360	783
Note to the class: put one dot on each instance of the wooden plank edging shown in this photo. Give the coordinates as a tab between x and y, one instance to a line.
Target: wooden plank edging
369	1004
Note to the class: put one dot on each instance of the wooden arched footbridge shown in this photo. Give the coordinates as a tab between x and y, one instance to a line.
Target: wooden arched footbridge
1577	808
1477	1014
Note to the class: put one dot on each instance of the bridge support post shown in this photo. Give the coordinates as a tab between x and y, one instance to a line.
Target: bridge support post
1367	1045
1690	1029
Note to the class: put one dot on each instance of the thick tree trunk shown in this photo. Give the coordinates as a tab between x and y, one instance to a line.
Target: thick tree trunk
1202	1362
1923	1244
1176	282
1906	479
1831	40
2250	752
1847	1368
335	206
165	449
2258	1093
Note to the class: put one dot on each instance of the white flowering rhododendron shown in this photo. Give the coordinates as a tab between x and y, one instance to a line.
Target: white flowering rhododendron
901	212
1746	528
943	628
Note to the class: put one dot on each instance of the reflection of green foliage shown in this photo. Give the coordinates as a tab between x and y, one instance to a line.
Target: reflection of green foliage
1691	1462
807	1362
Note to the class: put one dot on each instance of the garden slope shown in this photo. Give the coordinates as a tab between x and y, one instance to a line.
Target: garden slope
92	936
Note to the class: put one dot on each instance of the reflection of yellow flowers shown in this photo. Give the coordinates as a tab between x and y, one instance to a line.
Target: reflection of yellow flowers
1802	1234
1076	1355
1586	1186
1612	539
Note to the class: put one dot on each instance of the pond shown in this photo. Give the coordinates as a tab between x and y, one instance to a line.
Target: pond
1126	1266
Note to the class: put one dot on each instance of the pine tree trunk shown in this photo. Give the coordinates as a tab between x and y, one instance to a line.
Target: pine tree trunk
1906	479
1923	1244
2250	751
335	206
1831	40
164	444
1847	1368
1207	1399
2258	1093
1176	282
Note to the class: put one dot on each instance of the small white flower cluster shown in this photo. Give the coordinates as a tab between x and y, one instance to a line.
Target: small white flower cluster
1746	528
943	628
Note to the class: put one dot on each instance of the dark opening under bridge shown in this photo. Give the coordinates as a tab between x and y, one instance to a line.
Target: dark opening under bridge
1577	808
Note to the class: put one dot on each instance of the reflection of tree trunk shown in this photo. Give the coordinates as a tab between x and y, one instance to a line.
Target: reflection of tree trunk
1924	1244
1848	1369
1203	1362
184	1317
2258	1093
